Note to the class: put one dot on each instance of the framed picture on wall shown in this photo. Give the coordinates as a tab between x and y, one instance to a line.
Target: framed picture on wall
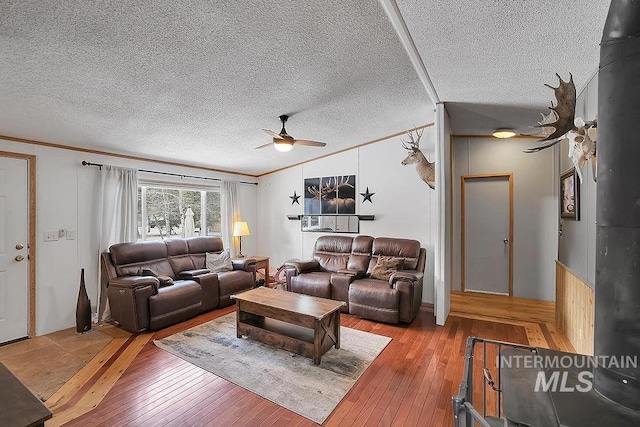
570	195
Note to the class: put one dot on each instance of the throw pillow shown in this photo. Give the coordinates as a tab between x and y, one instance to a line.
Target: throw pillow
385	267
217	263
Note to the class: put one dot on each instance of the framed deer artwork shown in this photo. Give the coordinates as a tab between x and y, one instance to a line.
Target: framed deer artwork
330	195
311	199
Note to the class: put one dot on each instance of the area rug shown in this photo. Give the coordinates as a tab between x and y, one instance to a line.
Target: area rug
285	378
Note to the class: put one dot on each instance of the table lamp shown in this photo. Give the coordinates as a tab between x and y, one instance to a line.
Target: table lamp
240	229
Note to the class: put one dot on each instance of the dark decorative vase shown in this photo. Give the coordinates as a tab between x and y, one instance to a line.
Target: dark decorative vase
83	308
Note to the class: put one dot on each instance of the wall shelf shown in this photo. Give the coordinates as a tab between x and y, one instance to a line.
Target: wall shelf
360	217
331	223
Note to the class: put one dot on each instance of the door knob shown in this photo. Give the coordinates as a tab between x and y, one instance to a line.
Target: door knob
19	246
505	241
19	258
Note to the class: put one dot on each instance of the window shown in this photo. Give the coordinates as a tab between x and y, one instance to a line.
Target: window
166	211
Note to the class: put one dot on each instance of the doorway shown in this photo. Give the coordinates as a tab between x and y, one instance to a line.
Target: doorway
487	233
17	246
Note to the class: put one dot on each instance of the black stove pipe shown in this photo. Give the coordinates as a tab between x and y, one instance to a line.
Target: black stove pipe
617	310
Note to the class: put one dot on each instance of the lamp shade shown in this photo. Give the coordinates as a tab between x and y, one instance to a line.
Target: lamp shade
283	145
240	228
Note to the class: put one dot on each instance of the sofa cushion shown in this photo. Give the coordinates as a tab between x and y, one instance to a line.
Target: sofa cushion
128	258
401	248
317	284
160	267
178	254
385	267
232	282
174	304
198	246
360	253
374	299
332	252
217	263
136	252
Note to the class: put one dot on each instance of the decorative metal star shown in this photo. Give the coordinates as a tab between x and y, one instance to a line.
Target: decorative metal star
367	196
294	198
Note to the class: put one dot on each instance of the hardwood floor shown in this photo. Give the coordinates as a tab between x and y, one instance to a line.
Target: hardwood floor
132	382
46	363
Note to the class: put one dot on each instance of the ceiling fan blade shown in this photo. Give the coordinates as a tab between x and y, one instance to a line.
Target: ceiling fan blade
265	145
273	134
310	143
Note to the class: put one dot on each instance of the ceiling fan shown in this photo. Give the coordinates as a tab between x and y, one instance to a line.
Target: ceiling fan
284	142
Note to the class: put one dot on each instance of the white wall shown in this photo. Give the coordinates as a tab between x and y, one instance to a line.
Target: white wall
577	244
66	199
403	205
442	268
535	207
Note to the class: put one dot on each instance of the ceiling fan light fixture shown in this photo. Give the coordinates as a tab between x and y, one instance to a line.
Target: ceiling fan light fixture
504	133
283	145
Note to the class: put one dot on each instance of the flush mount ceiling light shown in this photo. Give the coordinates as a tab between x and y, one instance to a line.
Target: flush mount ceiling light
504	133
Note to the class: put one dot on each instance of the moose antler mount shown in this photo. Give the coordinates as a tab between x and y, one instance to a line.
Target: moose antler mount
562	124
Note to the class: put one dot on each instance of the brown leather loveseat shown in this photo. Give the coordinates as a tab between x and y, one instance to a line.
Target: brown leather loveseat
344	268
139	302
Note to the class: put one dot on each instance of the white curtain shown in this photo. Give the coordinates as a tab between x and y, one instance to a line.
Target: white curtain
117	217
230	213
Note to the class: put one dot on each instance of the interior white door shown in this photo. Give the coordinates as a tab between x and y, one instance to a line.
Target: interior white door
487	234
14	284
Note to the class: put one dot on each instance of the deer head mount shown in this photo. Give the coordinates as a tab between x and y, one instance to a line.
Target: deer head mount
426	170
561	124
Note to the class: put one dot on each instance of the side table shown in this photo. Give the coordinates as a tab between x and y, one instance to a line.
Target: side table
262	262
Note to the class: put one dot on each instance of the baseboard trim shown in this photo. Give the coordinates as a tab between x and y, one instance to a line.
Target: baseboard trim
427	306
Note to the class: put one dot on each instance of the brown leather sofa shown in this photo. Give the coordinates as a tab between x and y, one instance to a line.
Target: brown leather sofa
341	270
139	302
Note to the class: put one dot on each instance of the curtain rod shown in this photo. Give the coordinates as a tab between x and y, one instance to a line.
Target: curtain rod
85	163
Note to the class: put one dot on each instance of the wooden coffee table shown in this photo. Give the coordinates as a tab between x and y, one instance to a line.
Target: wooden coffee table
302	324
18	405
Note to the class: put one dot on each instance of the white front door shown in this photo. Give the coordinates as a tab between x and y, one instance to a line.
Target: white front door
487	234
14	279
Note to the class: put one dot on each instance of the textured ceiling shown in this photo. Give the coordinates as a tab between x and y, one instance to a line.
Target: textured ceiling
491	58
195	81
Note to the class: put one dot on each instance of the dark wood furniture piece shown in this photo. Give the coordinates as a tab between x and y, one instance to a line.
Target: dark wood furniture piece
262	262
302	324
18	405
